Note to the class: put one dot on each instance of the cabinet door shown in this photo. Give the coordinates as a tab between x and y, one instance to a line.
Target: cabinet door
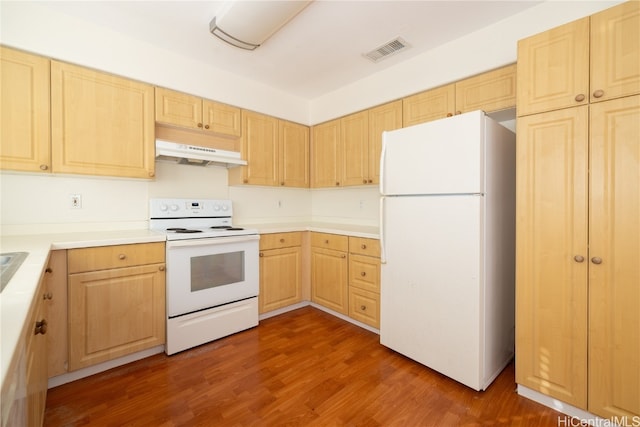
113	313
101	124
614	271
354	131
382	118
280	278
553	69
24	111
178	109
221	118
429	105
294	154
326	155
491	91
615	52
551	260
37	360
329	279
56	289
260	148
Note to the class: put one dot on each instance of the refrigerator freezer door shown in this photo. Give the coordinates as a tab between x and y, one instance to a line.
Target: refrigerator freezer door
431	285
440	157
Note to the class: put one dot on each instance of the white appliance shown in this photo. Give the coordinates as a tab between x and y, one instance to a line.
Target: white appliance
448	244
212	277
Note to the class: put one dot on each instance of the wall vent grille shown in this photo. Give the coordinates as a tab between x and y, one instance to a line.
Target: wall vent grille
388	49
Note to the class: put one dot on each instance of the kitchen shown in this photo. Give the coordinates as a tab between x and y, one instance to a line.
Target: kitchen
109	204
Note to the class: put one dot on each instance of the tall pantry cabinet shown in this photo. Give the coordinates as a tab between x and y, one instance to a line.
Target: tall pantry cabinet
578	213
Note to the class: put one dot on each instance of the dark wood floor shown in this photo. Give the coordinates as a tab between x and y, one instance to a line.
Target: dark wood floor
301	368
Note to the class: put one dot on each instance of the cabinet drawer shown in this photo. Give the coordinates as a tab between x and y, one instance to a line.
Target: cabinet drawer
330	241
280	240
106	257
364	306
364	246
364	272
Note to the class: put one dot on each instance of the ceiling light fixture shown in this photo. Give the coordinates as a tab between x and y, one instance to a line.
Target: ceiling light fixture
248	24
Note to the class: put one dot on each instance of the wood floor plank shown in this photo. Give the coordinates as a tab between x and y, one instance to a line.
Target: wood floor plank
302	368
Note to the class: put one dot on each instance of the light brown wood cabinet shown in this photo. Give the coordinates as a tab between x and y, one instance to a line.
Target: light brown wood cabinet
192	112
56	301
329	271
429	105
382	118
116	301
578	247
280	270
276	151
101	124
327	167
25	143
491	91
592	59
364	280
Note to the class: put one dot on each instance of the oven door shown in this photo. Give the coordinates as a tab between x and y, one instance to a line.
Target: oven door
208	272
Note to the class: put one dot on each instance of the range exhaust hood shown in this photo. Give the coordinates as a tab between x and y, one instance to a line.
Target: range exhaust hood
197	156
247	24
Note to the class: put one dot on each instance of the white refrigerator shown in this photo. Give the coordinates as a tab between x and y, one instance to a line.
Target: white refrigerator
447	235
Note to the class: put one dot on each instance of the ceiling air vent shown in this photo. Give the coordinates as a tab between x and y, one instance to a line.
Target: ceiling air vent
386	50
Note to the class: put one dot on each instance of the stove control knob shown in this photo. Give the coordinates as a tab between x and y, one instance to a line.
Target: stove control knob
216	207
225	207
164	208
174	207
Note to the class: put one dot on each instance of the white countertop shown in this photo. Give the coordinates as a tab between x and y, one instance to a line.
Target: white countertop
17	296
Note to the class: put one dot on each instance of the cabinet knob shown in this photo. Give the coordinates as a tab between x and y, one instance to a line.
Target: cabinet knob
48	270
47	295
363	246
449	114
44	167
282	183
337	183
199	125
151	174
598	93
370	181
41	327
261	254
363	273
326	242
281	240
364	181
245	181
578	258
122	256
363	307
596	260
161	268
343	256
206	126
580	97
458	112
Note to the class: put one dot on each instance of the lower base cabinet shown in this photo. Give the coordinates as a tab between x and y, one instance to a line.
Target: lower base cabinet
329	267
280	270
116	301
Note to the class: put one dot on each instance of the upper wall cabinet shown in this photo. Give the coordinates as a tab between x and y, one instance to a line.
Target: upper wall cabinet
491	91
276	151
385	117
429	105
24	112
326	155
188	111
101	124
560	68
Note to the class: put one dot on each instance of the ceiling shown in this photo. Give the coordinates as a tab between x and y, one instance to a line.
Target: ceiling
317	52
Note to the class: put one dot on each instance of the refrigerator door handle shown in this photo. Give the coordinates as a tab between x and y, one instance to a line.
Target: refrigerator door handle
383	252
383	154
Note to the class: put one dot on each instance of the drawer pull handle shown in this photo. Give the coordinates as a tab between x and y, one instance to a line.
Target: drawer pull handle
343	256
122	256
326	242
161	268
364	273
363	307
206	126
261	254
596	260
41	327
281	240
363	246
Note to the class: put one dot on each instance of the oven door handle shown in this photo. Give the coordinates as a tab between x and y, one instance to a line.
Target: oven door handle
211	241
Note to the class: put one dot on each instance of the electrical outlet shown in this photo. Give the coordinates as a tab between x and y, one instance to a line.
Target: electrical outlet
76	201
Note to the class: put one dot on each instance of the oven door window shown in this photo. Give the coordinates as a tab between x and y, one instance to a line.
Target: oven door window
212	271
